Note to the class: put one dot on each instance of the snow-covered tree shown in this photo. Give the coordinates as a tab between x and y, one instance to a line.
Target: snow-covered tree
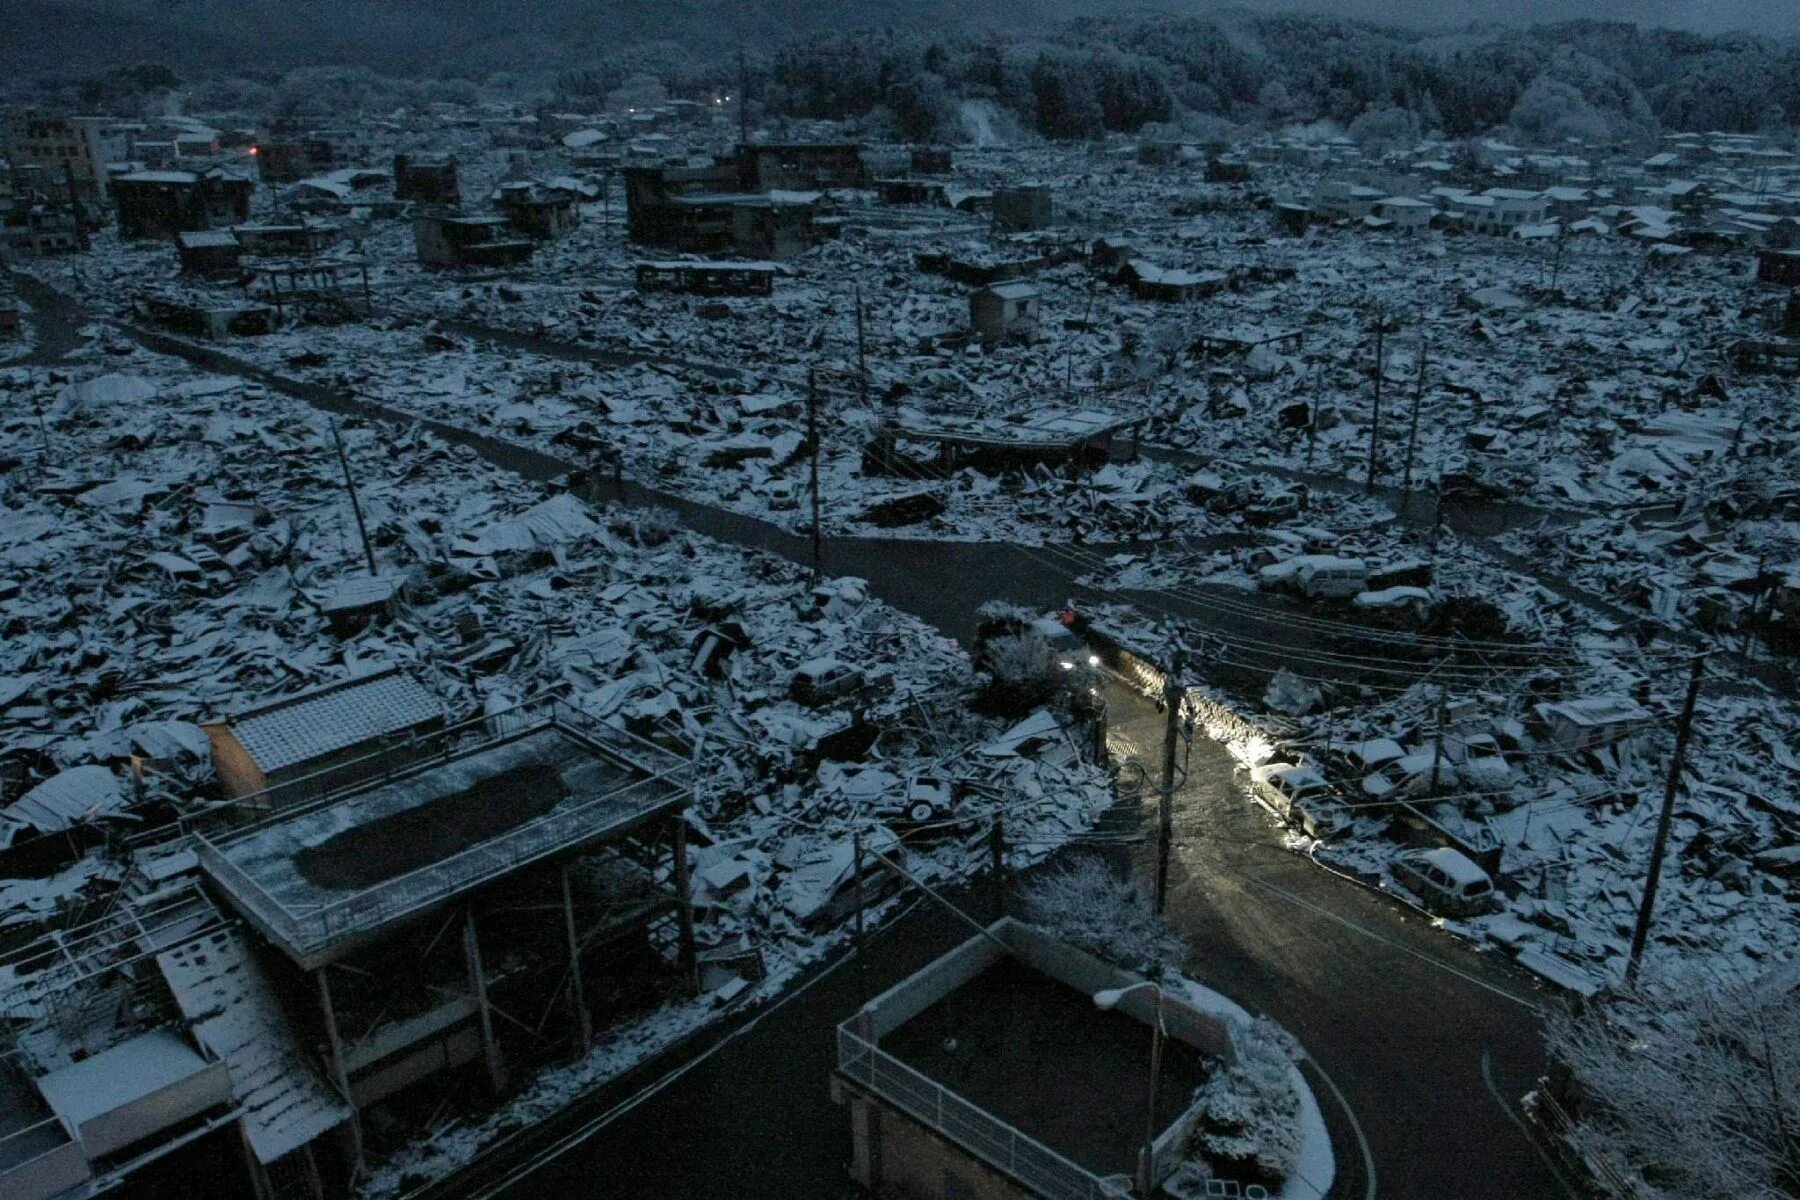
1088	905
1249	1111
1692	1085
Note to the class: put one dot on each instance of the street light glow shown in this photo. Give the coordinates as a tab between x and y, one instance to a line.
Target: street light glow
1110	997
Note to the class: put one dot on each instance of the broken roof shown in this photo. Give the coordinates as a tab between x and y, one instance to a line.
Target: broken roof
311	724
68	798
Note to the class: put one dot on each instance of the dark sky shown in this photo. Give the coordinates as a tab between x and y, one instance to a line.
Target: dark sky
1708	16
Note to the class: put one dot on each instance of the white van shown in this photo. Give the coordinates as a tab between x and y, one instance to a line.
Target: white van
1328	577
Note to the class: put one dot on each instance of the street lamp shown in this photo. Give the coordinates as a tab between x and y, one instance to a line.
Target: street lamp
1107	1000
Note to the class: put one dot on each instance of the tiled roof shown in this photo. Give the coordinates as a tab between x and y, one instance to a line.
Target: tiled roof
312	724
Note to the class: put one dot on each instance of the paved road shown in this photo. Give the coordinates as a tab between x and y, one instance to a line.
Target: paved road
1397	1012
1430	1042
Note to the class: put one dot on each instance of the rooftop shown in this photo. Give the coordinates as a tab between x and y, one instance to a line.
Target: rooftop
504	791
1022	1046
312	724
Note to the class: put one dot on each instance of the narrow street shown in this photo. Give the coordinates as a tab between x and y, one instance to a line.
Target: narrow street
1431	1042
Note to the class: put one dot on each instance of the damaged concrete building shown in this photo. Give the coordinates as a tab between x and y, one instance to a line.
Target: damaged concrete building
468	901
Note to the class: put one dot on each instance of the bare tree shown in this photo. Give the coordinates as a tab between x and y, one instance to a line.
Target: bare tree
1690	1085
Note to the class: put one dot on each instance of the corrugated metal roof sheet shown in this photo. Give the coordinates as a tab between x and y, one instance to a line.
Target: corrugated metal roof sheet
68	798
221	989
312	724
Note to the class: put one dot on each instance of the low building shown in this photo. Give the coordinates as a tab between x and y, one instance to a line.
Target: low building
913	191
209	252
1407	214
445	241
708	278
539	212
291	159
969	1113
1023	207
1591	722
299	239
1343	199
1780	268
160	204
317	740
1170	285
427	179
800	166
195	316
1005	311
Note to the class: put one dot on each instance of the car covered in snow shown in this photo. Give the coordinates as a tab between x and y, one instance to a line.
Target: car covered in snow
1447	882
927	806
1300	795
819	681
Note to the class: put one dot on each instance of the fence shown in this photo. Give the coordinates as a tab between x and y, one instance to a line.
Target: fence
987	1137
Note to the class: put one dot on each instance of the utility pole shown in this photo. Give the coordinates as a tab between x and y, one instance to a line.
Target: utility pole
1437	754
997	850
1165	827
1683	730
1375	423
1556	267
862	355
1412	432
743	99
362	530
812	437
856	849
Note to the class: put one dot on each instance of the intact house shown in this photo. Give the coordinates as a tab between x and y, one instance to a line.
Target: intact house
427	179
1499	210
947	1099
296	966
160	204
1004	310
445	241
309	735
1172	285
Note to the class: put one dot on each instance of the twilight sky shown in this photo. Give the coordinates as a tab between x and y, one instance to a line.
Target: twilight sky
1775	17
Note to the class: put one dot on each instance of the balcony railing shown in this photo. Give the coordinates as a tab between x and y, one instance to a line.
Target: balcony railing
306	927
982	1134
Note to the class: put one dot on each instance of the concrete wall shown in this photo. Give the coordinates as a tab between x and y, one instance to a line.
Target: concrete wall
150	1115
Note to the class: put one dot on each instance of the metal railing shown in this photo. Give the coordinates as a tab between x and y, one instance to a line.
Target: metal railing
984	1135
309	926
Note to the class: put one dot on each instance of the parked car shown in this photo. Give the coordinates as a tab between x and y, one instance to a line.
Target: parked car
1328	577
1301	796
926	806
823	680
783	495
1446	881
1409	775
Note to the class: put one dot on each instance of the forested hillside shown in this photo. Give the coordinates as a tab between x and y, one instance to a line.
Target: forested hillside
920	68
